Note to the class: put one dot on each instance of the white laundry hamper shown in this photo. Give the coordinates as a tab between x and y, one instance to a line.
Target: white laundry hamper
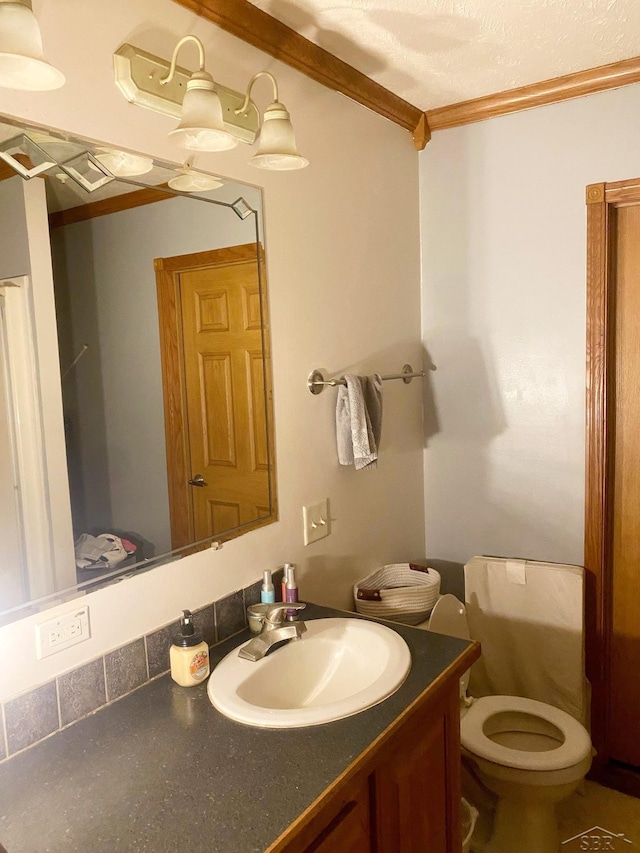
400	592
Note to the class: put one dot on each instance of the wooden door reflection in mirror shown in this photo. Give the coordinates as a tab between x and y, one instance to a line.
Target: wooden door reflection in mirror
211	309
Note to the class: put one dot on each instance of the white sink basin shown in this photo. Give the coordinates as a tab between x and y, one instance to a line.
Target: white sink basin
338	668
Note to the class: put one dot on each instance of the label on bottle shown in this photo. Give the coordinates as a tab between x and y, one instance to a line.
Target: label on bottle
199	666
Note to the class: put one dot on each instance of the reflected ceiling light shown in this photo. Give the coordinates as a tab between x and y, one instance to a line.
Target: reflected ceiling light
212	117
189	181
277	144
56	148
122	164
201	126
22	62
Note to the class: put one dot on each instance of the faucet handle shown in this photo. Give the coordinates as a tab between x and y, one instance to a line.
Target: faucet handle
275	613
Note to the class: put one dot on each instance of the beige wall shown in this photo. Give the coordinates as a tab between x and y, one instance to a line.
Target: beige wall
342	243
504	249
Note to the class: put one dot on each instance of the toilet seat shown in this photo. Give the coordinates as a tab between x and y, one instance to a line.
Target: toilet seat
575	748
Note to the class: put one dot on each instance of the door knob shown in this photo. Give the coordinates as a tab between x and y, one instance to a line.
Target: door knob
198	480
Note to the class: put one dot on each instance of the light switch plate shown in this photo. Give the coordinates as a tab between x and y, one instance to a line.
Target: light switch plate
59	633
317	523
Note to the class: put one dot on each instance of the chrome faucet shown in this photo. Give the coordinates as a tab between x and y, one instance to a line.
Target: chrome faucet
274	630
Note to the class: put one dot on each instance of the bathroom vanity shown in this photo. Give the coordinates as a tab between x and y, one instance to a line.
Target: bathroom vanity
161	771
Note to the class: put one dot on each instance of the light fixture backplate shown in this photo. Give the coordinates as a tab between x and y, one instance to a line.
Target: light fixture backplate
138	76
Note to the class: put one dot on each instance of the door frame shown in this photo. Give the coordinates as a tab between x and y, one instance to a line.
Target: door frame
602	200
174	385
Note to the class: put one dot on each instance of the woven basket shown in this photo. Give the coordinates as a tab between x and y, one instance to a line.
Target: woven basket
401	592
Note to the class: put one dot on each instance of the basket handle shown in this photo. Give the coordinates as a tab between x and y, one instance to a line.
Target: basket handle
369	595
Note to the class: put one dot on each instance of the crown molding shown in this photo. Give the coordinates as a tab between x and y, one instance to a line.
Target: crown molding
552	91
247	22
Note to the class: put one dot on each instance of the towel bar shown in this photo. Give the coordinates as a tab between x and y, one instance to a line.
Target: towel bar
316	383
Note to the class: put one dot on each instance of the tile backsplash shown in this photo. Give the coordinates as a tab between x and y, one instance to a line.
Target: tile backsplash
32	716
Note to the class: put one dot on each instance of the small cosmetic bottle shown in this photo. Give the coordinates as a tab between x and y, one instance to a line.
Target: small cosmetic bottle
268	592
291	592
287	568
189	654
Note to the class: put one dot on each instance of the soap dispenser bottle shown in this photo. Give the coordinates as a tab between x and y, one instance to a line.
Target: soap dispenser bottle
189	654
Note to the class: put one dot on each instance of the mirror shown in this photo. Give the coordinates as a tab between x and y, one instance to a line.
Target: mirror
135	381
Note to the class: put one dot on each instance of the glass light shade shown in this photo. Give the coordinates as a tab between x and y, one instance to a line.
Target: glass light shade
22	63
277	144
201	127
122	164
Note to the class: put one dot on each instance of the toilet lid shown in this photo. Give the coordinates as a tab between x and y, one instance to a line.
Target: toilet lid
449	617
575	748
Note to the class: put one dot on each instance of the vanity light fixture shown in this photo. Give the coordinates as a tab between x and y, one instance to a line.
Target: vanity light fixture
22	62
277	145
212	117
201	126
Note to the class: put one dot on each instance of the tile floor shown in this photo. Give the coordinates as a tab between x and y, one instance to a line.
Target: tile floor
595	805
592	805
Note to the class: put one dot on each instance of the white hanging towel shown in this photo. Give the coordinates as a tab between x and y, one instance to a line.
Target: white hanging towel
528	616
359	420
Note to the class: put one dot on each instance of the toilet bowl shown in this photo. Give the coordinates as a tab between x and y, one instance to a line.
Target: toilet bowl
529	754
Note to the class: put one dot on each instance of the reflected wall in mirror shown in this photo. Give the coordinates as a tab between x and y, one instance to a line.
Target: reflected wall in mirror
135	395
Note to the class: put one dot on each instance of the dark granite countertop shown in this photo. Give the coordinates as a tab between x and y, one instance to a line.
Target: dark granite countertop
161	771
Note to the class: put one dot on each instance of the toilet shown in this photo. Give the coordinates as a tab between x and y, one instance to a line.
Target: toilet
529	754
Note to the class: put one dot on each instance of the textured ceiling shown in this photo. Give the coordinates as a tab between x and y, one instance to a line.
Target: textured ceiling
438	52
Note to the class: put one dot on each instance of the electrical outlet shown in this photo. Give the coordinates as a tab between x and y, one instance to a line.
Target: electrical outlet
317	523
63	631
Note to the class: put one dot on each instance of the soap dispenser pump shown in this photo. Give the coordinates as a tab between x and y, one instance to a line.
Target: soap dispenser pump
189	654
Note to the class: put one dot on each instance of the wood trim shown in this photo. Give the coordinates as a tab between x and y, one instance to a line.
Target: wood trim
602	200
596	496
619	193
252	25
622	778
453	772
552	91
7	172
116	203
209	258
422	133
175	407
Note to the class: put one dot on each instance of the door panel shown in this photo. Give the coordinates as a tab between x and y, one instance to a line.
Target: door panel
624	693
222	342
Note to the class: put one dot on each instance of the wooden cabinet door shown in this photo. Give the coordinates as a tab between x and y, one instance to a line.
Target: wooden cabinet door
348	832
342	825
417	786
